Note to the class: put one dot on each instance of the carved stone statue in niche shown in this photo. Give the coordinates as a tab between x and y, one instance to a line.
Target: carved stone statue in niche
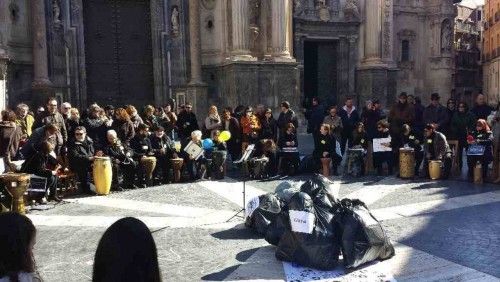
255	6
56	11
174	21
298	7
323	10
446	36
351	10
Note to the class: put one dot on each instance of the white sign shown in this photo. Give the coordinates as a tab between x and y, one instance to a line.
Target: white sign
251	206
301	221
379	144
193	150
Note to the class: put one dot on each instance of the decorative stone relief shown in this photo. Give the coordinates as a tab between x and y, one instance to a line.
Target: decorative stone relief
174	21
298	7
446	37
56	11
387	33
323	11
351	10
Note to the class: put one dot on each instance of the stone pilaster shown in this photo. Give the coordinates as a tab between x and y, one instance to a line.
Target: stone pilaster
373	33
195	42
3	81
387	32
281	30
240	22
41	81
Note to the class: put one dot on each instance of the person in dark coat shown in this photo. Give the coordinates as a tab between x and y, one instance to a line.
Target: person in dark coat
451	109
315	116
134	116
286	116
232	125
124	165
47	132
418	123
10	136
411	140
81	154
269	126
436	113
123	126
96	127
289	151
350	117
379	158
401	113
325	147
436	147
52	116
187	122
39	165
73	122
164	150
141	145
462	123
482	136
481	110
370	116
149	117
359	141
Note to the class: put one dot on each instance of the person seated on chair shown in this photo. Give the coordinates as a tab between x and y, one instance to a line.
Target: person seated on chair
436	148
39	165
379	158
196	167
411	140
124	165
141	145
360	141
164	151
325	147
289	152
218	156
483	137
81	155
33	144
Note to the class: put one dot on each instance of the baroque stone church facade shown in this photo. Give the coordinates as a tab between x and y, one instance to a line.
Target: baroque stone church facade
224	52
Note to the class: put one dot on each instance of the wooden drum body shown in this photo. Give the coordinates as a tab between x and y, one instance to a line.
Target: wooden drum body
435	170
16	185
325	166
355	161
149	165
177	165
406	162
103	175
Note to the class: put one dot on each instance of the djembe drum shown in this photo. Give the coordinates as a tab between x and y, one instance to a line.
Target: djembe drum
16	185
435	170
325	166
406	162
177	164
355	161
217	166
149	165
103	175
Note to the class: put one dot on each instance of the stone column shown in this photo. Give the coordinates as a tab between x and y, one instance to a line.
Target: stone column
195	42
240	30
373	32
40	65
387	32
3	81
281	29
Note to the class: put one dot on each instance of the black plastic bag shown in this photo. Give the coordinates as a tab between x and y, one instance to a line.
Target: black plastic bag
277	228
305	241
286	189
363	237
308	165
319	186
268	209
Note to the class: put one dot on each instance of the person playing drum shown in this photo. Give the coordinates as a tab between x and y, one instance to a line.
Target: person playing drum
123	163
383	156
289	153
411	140
436	148
164	151
483	137
325	147
141	145
360	141
81	155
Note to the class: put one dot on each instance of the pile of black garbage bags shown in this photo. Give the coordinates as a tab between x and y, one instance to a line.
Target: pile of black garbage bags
311	227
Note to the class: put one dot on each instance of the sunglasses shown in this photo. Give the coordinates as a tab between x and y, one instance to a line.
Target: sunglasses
53	105
79	134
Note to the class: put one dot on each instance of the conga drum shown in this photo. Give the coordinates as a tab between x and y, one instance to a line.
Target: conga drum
218	161
435	170
406	162
149	165
16	185
325	166
177	164
103	175
355	161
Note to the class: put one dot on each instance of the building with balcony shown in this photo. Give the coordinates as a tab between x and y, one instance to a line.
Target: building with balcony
491	50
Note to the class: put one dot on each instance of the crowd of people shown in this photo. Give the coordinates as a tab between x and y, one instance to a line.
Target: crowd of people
58	138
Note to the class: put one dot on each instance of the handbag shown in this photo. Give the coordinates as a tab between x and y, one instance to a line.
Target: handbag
476	150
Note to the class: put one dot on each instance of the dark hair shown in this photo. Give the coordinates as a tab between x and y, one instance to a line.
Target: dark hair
429	126
383	123
466	107
46	147
16	239
9	115
290	125
332	107
52	126
285	104
126	252
248	109
81	128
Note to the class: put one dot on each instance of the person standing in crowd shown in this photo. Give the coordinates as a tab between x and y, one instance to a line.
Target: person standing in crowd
482	136
168	121
109	111
25	120
335	123
260	111
126	252
96	127
64	110
187	122
134	116
17	240
289	151
123	126
232	125
350	117
401	113
325	147
360	141
164	151
286	116
10	137
213	122
436	113
370	116
39	165
123	163
269	126
450	110
481	110
411	140
141	145
81	155
418	122
315	116
436	148
46	133
379	158
149	116
52	116
462	123
73	122
239	112
250	127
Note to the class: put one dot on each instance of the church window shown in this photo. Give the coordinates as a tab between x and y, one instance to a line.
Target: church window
405	51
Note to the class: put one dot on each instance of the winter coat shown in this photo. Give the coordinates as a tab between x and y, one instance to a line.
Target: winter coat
461	125
370	118
58	120
162	143
79	154
288	138
335	124
285	118
211	125
481	112
141	145
33	144
124	130
119	151
349	120
38	165
400	114
71	126
360	139
439	145
314	116
485	139
26	124
325	143
136	120
269	129
96	130
438	115
247	122
10	136
186	123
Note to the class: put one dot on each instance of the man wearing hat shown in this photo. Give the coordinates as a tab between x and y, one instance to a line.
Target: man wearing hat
401	113
436	113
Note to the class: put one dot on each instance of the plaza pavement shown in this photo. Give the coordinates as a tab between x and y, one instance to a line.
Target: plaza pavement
442	231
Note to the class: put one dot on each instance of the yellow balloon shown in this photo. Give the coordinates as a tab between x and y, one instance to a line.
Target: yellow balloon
225	136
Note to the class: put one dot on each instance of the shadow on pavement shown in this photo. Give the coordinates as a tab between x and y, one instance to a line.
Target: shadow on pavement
221	275
240	232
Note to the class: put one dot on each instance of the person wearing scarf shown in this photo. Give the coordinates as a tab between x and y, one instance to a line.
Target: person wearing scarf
213	122
482	136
